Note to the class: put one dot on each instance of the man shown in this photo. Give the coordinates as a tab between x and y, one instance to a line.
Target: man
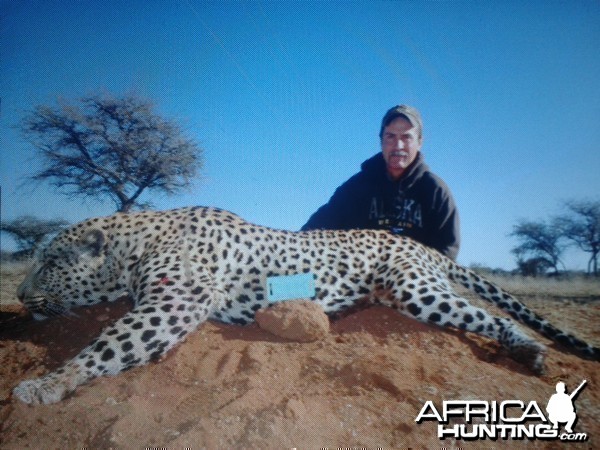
395	190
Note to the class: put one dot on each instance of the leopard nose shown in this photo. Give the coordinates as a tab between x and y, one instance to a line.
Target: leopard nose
21	292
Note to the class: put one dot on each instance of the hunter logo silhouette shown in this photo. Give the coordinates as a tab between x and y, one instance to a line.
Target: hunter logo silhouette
560	406
506	419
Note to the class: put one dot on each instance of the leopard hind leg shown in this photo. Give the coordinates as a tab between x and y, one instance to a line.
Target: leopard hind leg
520	312
435	302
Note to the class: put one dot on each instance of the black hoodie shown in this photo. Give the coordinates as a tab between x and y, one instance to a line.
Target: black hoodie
418	205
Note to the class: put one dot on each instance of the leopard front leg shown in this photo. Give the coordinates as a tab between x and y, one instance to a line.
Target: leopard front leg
145	333
51	388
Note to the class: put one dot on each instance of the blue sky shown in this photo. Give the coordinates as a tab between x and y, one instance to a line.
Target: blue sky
286	98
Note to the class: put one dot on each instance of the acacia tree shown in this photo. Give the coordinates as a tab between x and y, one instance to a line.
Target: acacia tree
111	147
540	242
30	232
581	225
531	267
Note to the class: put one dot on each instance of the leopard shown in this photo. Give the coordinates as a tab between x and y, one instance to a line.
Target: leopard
184	266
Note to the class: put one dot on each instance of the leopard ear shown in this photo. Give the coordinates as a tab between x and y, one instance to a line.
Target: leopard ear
92	242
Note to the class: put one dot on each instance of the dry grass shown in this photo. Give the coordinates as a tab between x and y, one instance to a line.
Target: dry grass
575	286
11	275
15	268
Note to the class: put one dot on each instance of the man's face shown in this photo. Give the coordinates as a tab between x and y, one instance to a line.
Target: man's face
400	144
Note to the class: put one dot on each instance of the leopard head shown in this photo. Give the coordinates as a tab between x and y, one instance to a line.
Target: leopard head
76	268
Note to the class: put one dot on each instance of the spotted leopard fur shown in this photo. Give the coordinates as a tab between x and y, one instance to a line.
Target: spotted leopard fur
184	266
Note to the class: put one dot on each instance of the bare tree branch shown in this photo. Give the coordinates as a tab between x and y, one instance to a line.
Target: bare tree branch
29	232
111	147
581	225
540	243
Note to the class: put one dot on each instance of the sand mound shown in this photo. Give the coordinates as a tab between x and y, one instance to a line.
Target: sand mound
299	320
360	385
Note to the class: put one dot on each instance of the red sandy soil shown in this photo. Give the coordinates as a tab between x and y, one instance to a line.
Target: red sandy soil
362	385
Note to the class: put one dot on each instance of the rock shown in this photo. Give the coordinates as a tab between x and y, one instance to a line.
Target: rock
296	320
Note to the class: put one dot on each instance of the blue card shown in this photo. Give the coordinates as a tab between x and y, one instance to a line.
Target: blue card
290	287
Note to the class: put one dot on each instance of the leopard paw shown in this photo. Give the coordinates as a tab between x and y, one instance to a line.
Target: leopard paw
532	354
44	390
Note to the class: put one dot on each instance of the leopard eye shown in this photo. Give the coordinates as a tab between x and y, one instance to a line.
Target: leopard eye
45	266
